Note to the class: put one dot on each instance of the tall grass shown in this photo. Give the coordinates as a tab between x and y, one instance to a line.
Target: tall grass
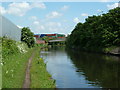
40	78
13	63
13	71
15	56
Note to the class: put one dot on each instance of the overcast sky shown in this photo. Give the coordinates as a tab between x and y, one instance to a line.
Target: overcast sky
53	17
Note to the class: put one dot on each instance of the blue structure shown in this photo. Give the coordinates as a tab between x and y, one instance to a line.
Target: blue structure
42	35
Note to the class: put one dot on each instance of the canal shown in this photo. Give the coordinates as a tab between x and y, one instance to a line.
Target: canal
75	69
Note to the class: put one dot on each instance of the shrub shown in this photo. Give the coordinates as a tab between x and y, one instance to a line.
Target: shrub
27	37
8	47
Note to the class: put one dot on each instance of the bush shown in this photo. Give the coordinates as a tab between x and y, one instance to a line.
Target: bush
10	47
28	37
23	48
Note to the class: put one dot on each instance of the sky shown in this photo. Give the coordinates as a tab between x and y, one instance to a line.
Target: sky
53	17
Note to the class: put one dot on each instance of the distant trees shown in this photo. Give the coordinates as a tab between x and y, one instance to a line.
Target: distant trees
46	39
97	31
27	36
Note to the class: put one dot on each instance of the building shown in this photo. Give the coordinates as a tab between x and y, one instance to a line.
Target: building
37	36
40	41
60	36
119	4
8	29
50	36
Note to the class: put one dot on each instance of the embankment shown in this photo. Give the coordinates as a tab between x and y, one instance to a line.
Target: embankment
40	78
15	56
112	51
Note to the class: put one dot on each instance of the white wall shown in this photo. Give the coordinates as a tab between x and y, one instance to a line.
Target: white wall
7	28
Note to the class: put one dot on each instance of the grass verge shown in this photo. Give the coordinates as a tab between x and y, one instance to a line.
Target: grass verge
13	69
40	78
15	56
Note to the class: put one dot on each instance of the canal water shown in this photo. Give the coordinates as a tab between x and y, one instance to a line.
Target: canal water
75	69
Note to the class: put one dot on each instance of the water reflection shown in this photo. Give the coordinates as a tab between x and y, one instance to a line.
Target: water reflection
73	69
101	70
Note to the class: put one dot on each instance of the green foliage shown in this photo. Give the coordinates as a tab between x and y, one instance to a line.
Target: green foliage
23	48
14	59
9	47
98	31
27	37
46	38
13	69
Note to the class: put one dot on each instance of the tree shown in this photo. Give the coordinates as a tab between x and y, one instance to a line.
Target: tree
97	31
46	39
27	36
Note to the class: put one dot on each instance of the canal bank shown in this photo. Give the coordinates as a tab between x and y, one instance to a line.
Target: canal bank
40	78
77	69
97	34
15	57
113	50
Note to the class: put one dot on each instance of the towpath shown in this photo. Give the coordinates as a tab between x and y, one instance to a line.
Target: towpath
26	83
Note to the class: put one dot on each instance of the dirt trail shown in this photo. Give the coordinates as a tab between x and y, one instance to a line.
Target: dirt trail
26	83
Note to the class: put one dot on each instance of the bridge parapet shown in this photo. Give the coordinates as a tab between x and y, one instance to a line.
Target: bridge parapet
58	40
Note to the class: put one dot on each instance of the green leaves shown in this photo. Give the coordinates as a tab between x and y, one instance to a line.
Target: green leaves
46	39
8	47
27	37
98	31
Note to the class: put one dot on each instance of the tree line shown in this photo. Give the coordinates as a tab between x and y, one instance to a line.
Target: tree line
97	31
